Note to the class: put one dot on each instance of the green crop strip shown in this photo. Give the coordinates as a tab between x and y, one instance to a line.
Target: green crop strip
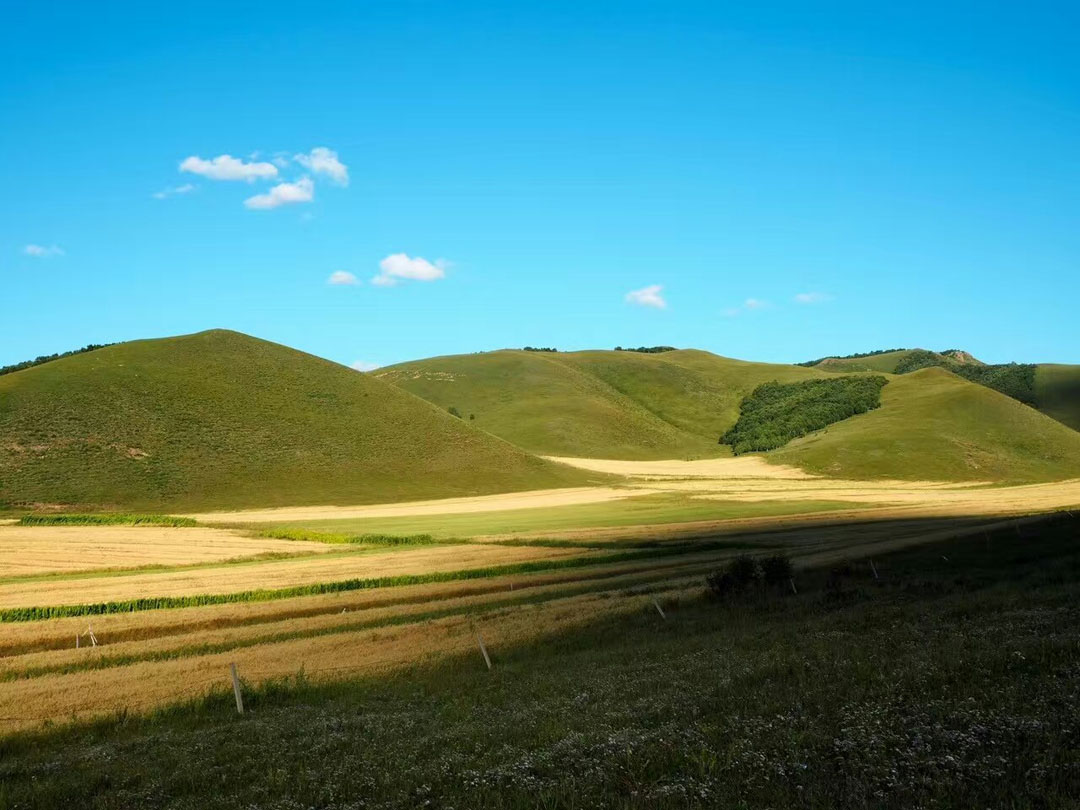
307	535
106	520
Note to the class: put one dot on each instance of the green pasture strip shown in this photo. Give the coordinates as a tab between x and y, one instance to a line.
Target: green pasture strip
26	614
308	535
106	519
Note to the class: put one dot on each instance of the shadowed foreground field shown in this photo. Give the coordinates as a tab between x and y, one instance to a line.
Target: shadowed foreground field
953	680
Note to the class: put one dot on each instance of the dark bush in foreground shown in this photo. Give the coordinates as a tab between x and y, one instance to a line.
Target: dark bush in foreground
777	570
745	573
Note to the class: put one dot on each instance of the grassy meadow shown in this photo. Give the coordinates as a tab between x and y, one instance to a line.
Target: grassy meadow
948	680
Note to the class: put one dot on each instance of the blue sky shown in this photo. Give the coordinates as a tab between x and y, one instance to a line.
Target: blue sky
911	171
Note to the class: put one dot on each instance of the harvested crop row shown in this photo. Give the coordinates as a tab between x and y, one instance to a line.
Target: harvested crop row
268	575
58	634
28	703
194	644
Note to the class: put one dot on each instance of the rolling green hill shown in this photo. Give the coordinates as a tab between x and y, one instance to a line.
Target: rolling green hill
933	425
598	404
223	420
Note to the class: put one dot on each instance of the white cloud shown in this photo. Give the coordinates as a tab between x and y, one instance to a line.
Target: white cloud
398	266
226	167
43	252
325	161
749	304
302	191
812	298
342	278
647	297
187	188
361	365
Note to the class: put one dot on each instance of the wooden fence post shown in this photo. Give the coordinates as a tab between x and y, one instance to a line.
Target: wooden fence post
483	649
236	689
659	609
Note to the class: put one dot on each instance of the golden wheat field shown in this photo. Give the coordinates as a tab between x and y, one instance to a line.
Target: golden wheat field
153	616
28	550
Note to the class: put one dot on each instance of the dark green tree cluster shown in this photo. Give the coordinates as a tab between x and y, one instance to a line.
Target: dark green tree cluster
539	349
647	349
47	358
775	413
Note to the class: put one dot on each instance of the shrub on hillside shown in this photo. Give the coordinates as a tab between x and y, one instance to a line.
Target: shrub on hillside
775	413
739	575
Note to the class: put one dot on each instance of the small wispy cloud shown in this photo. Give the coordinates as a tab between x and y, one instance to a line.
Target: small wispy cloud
322	160
647	297
812	298
400	266
363	365
302	191
749	305
342	278
172	191
226	167
43	251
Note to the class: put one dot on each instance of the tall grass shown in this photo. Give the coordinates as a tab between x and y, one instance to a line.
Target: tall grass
115	519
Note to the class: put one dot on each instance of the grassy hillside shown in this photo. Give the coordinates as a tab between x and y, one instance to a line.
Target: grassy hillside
222	420
598	404
1057	393
935	425
885	363
932	424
